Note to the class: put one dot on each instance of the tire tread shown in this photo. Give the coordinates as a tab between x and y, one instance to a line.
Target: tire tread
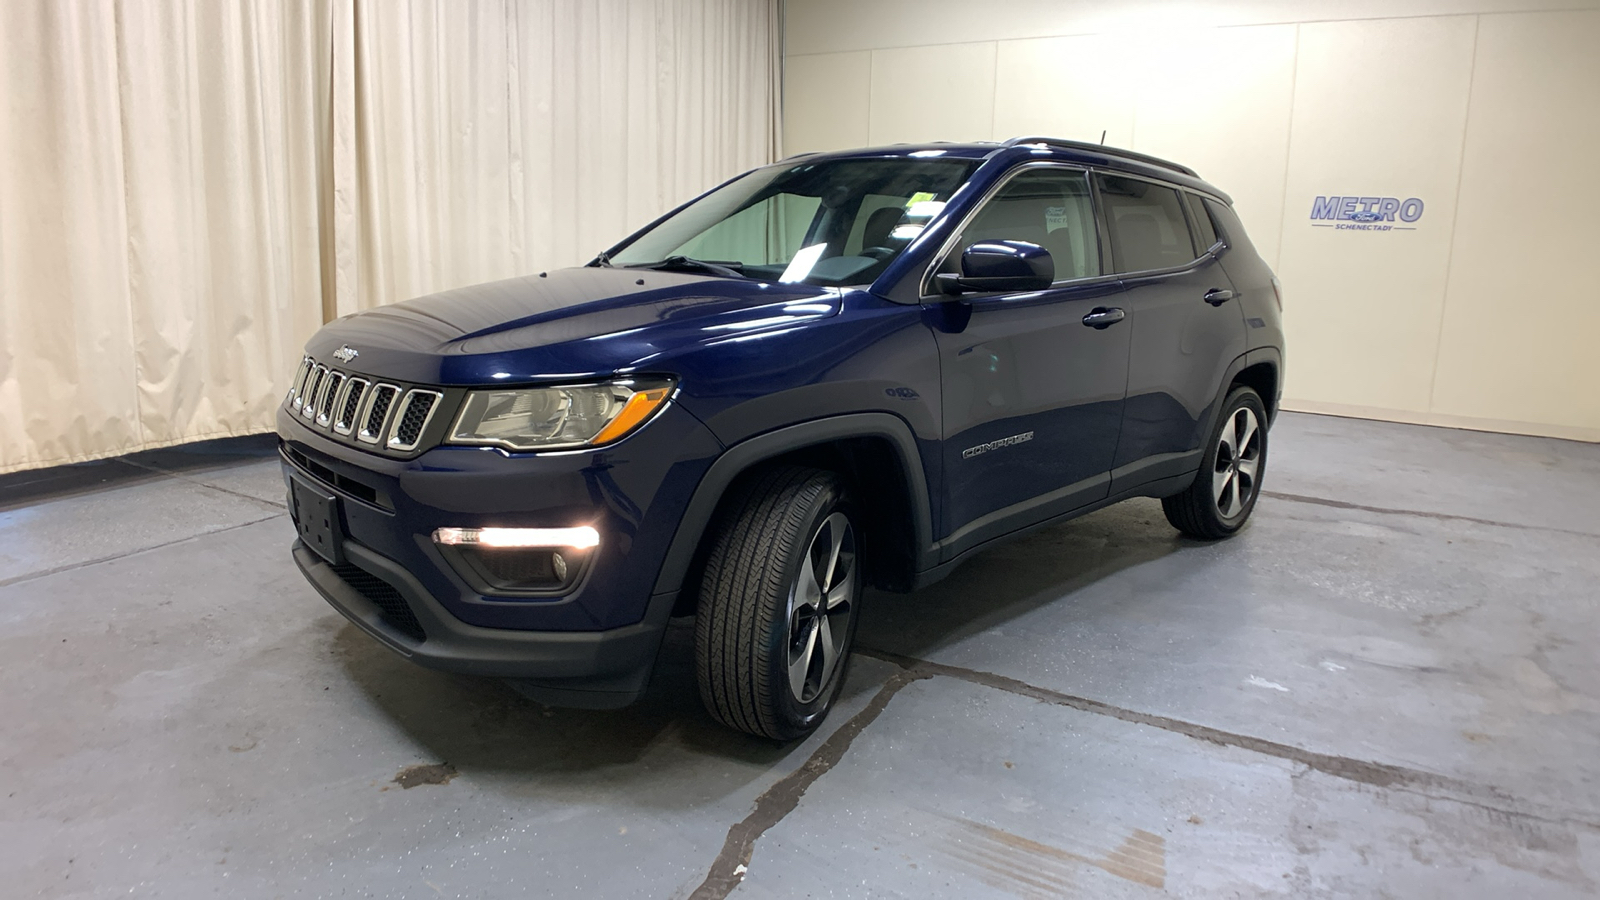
744	583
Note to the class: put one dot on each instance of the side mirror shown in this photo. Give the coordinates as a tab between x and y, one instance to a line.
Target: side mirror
1001	266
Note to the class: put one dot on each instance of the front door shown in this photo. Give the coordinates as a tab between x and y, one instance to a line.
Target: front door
1032	393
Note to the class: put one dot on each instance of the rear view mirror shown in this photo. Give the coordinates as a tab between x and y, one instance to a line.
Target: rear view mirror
1000	266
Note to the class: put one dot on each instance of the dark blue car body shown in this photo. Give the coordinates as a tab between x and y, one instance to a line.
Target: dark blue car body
921	400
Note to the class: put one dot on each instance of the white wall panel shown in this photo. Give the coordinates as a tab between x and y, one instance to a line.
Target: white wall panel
827	101
933	94
1379	111
1071	87
1218	100
829	26
1522	327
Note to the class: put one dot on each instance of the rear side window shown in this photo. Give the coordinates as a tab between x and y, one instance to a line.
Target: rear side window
1205	231
1045	206
1148	227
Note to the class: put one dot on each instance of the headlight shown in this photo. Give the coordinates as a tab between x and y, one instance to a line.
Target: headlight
557	418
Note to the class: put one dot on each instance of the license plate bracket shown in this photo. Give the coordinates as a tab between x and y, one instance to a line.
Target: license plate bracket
316	517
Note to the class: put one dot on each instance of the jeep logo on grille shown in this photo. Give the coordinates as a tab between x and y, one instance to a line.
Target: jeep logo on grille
345	353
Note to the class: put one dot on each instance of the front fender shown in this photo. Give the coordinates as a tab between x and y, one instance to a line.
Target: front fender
743	456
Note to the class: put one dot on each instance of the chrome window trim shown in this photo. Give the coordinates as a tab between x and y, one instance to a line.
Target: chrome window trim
366	436
361	404
397	415
926	288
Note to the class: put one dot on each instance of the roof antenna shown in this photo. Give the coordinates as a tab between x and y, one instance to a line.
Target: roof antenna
1102	137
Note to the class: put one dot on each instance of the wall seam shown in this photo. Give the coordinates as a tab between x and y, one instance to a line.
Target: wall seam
871	67
1288	154
994	92
1455	214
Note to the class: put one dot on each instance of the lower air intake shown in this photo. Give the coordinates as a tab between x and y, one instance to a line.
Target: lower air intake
384	596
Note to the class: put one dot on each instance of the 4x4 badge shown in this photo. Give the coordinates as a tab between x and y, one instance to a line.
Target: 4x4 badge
345	353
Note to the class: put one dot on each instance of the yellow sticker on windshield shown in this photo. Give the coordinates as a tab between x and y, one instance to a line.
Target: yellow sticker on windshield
919	197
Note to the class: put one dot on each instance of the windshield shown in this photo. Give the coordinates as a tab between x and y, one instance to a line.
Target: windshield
829	222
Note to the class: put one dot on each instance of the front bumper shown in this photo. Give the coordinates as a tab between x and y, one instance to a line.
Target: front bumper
593	646
570	668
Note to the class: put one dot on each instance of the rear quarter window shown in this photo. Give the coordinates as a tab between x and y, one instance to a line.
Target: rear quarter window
1205	230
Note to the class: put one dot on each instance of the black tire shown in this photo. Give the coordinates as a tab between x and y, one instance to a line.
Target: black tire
745	627
1198	512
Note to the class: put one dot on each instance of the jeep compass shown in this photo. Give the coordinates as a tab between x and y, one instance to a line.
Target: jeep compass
838	371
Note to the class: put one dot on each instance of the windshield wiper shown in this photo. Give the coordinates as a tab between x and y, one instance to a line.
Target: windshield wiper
726	269
603	261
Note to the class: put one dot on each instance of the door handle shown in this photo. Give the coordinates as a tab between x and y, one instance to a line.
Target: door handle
1102	318
1218	296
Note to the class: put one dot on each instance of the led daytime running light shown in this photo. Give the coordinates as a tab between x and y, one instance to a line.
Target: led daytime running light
582	537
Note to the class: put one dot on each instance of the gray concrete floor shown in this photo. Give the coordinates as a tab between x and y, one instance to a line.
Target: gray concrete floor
1386	686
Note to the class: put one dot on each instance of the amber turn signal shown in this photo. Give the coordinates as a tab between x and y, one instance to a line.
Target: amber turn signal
638	408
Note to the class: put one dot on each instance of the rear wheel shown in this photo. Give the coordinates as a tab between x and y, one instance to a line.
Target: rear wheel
778	599
1225	489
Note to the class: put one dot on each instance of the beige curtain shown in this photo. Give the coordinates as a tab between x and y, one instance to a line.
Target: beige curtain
188	189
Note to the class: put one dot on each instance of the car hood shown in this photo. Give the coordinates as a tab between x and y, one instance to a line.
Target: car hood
562	325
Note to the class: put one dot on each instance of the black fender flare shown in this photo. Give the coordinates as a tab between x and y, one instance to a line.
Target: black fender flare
1269	355
740	457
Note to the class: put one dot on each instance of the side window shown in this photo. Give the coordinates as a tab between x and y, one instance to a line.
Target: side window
1205	229
1148	230
1048	207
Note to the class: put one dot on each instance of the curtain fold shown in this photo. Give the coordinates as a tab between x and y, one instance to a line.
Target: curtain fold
188	189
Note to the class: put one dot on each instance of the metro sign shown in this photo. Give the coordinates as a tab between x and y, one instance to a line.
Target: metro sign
1365	213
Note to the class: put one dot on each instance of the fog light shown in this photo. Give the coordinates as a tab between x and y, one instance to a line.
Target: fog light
582	537
519	562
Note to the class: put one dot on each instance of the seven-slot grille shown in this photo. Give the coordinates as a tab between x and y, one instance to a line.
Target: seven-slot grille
388	416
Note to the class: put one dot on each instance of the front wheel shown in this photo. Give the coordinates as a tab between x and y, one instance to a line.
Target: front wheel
1229	481
778	601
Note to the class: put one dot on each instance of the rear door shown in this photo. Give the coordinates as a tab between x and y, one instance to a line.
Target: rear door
1032	396
1186	325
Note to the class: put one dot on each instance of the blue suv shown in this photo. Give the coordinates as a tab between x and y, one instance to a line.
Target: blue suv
839	371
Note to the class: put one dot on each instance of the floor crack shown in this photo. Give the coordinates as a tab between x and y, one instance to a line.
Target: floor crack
271	504
1447	517
19	579
776	802
1382	775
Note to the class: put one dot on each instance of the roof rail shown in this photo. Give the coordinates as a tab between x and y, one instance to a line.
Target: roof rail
1103	149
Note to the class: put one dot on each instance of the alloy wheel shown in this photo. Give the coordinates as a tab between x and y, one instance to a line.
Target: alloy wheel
1238	463
820	605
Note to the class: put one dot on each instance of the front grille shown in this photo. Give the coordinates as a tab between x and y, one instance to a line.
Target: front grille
330	392
413	418
299	381
354	394
383	595
308	398
378	416
391	419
